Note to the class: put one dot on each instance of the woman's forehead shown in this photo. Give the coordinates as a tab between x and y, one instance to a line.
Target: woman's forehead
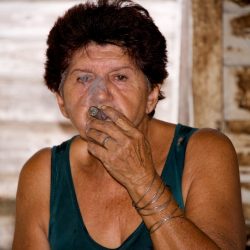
104	55
107	51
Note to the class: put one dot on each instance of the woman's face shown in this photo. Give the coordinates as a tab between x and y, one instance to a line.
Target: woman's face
104	75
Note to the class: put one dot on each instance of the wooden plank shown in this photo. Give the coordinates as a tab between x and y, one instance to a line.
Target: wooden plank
241	143
21	19
27	101
238	126
29	117
168	12
19	141
185	85
22	59
236	44
207	63
236	93
6	232
236	6
18	19
8	186
245	175
245	192
18	34
244	157
7	206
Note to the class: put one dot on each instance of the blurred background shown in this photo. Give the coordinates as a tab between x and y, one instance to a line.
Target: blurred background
208	86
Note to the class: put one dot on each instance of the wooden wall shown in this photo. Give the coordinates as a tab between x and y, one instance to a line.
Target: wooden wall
29	117
236	86
221	77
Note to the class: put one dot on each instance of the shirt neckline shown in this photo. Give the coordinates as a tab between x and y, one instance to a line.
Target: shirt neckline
139	228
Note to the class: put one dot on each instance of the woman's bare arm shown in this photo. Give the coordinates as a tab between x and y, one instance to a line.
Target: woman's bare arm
213	217
32	204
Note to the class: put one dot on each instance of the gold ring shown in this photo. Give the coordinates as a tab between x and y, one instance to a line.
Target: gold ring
105	140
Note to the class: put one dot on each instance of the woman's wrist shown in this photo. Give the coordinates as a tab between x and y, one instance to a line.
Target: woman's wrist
141	188
155	203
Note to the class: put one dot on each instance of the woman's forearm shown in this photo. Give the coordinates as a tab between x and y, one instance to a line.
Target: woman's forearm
167	223
180	233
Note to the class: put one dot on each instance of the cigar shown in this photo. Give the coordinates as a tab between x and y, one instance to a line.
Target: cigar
97	113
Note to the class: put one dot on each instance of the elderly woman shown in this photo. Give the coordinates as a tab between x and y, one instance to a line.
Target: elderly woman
127	181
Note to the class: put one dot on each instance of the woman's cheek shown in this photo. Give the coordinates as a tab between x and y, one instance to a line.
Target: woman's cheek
78	114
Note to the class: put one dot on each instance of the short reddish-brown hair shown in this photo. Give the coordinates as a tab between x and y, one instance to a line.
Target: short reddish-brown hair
119	22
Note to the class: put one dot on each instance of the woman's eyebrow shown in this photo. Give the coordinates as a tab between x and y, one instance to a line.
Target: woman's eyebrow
87	70
81	70
122	67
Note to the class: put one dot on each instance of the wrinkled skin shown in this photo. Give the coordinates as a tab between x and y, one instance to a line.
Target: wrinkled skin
106	76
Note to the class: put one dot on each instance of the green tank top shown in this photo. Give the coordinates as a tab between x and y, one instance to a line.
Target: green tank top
66	227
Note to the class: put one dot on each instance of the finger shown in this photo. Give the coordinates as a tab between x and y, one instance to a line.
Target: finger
108	143
106	127
102	139
96	136
118	118
97	113
97	151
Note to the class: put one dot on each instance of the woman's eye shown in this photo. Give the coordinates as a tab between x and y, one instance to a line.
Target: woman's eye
121	78
84	79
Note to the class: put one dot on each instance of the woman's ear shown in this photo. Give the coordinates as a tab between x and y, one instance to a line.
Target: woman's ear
153	98
61	104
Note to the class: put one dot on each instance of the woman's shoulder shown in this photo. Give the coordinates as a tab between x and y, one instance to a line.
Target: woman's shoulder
35	174
38	163
211	186
205	137
210	139
33	193
210	152
210	149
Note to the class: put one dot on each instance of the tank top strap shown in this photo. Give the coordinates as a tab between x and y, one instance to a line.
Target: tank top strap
173	169
59	180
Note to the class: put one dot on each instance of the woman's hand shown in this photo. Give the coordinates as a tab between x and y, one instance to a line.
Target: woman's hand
122	148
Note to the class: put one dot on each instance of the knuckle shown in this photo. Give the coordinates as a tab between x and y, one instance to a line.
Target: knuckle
116	117
112	158
89	131
107	125
91	147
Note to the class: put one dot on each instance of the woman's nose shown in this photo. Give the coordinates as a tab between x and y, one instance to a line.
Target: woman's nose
101	89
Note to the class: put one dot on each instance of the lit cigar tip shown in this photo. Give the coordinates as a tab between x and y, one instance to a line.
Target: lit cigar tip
93	111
